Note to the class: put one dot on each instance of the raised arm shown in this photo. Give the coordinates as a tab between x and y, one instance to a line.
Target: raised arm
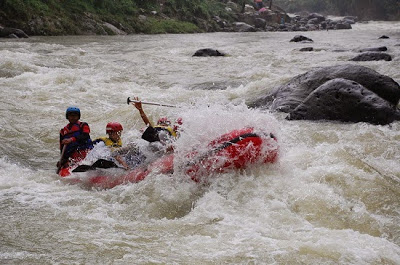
138	106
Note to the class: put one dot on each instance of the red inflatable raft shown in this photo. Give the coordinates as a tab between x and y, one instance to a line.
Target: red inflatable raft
235	150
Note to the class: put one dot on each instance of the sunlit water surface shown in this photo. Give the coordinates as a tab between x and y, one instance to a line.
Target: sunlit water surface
333	198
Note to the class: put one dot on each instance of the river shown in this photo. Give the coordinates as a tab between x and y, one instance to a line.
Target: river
333	197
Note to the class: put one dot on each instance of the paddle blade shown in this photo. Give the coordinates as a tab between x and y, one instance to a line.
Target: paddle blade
102	163
84	168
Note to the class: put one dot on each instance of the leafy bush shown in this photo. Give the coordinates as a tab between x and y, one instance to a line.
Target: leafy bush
156	26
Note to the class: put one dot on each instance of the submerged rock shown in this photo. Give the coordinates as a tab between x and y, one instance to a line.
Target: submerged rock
372	56
307	49
208	52
377	49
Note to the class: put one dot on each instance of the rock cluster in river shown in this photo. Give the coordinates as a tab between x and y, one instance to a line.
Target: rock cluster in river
349	93
276	19
367	54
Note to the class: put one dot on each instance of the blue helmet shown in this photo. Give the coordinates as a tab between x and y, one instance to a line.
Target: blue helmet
73	110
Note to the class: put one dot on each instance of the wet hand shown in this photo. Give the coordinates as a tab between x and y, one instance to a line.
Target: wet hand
137	104
66	141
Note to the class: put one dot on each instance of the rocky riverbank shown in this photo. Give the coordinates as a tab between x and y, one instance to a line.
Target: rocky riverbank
276	19
233	18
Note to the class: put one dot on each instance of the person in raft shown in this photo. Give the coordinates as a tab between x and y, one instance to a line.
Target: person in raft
129	156
163	132
113	141
75	140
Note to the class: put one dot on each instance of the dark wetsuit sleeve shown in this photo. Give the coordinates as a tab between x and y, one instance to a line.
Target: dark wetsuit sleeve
97	141
82	138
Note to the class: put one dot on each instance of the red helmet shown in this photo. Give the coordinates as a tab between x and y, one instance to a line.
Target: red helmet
113	127
164	121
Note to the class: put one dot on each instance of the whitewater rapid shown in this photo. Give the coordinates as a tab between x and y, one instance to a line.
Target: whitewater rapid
333	197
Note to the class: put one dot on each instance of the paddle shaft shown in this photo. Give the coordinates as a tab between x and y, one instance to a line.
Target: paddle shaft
129	100
61	158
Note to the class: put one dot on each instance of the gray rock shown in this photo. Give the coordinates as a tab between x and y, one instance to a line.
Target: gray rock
243	27
142	18
349	21
313	21
307	49
351	18
301	38
344	100
318	17
343	25
260	23
372	56
377	49
12	33
288	96
114	29
208	52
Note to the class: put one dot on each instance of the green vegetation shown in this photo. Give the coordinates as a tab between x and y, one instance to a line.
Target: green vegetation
157	26
61	17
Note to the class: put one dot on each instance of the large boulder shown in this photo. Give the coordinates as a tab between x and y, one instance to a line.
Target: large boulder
297	93
344	100
243	27
113	29
12	33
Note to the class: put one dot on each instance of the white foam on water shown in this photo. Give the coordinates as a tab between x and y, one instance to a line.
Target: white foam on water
332	198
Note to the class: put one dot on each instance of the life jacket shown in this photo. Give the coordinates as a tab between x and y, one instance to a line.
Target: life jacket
152	134
110	143
75	130
169	129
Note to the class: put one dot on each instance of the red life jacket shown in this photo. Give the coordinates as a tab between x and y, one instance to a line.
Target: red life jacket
73	131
